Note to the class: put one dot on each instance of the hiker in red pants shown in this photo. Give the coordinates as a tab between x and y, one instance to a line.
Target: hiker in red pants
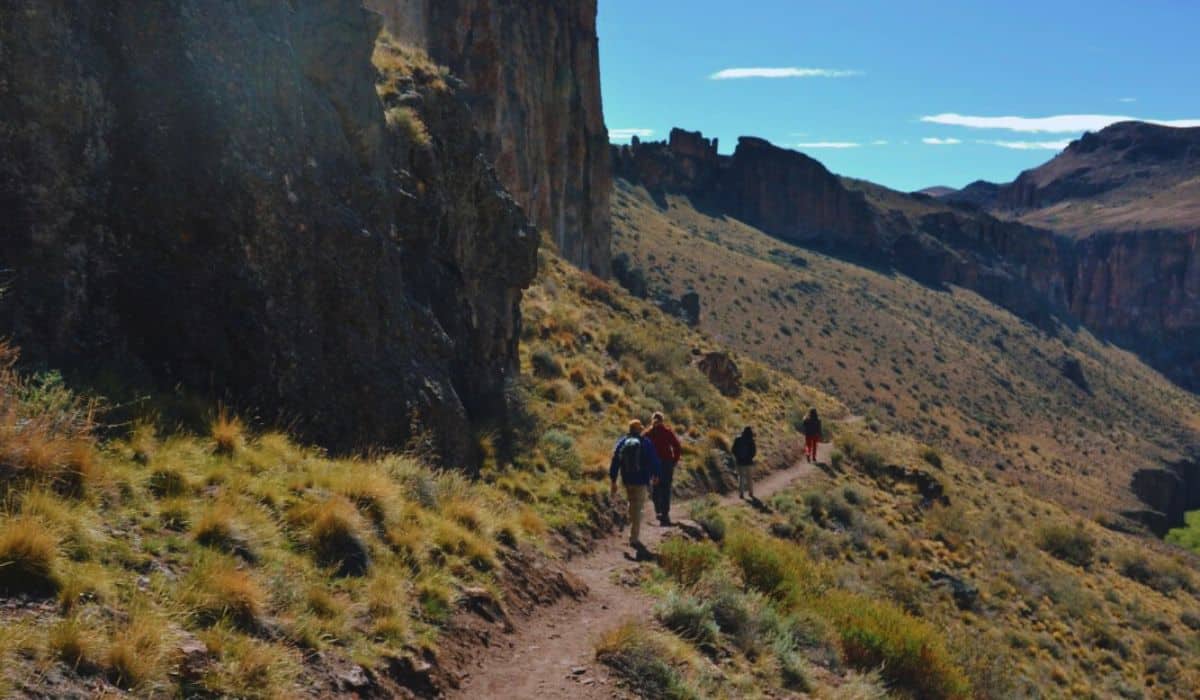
812	435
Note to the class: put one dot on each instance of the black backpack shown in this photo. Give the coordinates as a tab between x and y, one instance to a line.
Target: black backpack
630	456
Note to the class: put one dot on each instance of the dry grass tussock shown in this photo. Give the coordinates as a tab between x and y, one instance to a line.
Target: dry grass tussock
255	545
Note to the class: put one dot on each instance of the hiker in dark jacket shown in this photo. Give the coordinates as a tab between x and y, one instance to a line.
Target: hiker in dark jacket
812	435
744	451
636	462
668	450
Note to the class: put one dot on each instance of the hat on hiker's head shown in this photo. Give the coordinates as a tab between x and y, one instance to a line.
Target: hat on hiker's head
635	427
657	418
748	431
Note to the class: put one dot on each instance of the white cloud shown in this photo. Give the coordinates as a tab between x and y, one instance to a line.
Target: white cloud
828	144
1058	124
1030	145
933	141
879	142
743	73
1127	99
628	134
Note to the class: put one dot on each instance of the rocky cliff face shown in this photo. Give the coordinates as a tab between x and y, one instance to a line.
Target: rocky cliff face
213	196
533	69
1129	197
785	193
1140	290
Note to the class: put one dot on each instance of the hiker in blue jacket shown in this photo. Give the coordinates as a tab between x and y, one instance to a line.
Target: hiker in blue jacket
636	461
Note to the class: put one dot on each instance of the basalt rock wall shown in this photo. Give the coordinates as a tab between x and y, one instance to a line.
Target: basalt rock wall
533	70
209	196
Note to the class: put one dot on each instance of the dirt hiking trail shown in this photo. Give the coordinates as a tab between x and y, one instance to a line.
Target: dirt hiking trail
552	653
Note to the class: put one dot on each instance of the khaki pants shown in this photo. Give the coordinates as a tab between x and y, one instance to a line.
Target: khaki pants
745	480
637	503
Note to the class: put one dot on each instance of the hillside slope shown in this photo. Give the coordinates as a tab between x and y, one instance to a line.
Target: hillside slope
1140	291
238	563
1061	412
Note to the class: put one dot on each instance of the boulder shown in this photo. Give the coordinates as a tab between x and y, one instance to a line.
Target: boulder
722	372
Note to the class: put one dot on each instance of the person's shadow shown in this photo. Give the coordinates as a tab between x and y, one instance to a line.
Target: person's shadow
759	505
642	554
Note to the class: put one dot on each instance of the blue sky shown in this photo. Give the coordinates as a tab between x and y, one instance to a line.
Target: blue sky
928	78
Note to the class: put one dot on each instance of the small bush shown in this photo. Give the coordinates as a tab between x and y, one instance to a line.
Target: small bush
73	644
709	517
167	483
1162	575
1070	544
644	661
559	450
228	433
932	457
134	657
28	555
774	567
219	591
687	562
911	653
545	364
335	539
689	618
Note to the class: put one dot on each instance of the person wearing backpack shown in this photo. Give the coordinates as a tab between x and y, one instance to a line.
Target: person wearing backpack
812	435
744	451
668	450
636	462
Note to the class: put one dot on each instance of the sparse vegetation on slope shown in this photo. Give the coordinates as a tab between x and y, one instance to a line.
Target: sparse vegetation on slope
942	365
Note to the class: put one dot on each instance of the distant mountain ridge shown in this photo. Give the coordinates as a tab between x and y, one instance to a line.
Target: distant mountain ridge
1130	176
1139	287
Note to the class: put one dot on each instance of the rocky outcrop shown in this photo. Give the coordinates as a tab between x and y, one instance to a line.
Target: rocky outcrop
1169	493
722	372
792	196
533	70
212	196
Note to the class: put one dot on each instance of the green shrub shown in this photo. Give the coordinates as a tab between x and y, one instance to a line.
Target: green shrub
1162	575
912	654
560	452
687	562
776	568
932	457
706	514
644	661
689	618
1070	544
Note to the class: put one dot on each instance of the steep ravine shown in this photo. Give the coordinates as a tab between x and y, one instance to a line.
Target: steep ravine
1140	290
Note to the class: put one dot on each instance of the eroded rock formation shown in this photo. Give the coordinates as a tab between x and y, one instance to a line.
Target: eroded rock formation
210	195
1139	289
533	69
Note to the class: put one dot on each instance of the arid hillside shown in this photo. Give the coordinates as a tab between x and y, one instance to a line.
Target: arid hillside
1058	411
1129	177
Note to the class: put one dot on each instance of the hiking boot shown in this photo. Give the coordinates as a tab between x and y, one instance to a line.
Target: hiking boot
664	521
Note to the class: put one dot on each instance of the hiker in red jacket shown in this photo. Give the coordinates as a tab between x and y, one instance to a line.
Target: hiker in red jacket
667	447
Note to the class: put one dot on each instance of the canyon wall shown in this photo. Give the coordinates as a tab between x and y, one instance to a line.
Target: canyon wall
211	196
533	70
1140	289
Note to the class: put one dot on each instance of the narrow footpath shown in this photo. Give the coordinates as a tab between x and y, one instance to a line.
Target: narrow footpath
551	654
